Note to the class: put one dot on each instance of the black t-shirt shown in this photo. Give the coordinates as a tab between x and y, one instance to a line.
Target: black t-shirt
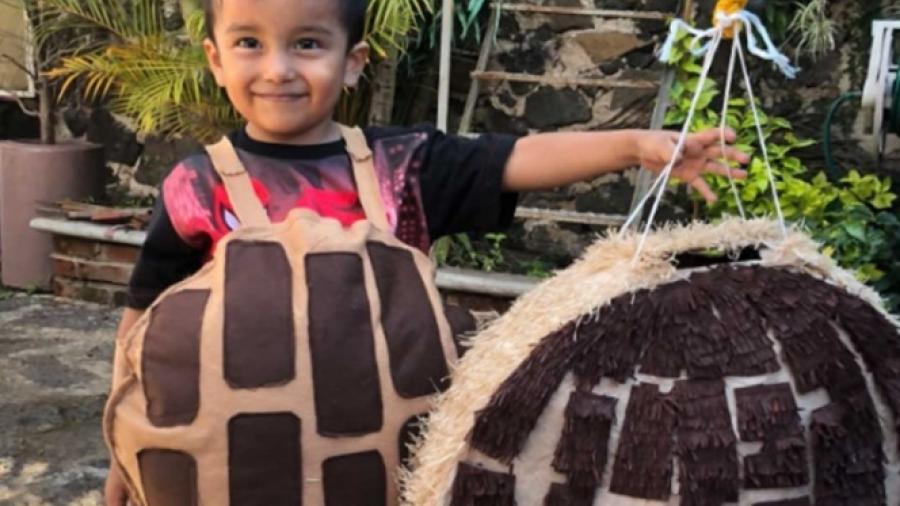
432	185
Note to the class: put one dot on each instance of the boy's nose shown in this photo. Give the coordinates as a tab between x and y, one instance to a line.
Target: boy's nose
279	68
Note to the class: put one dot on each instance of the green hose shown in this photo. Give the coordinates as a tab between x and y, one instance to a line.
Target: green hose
891	123
834	172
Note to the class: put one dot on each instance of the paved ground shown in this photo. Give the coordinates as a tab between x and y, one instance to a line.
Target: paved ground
55	360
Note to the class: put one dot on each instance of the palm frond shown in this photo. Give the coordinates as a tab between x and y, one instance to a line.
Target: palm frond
389	22
161	82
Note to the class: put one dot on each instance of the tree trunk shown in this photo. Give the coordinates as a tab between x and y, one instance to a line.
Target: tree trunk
384	84
46	112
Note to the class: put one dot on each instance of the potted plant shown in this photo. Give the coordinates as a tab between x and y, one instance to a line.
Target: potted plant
40	170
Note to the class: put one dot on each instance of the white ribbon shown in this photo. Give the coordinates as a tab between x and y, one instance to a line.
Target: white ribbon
725	21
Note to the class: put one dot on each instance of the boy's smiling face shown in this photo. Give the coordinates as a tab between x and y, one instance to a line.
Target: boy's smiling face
283	64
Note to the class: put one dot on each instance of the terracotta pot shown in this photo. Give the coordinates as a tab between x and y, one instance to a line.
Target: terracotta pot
32	173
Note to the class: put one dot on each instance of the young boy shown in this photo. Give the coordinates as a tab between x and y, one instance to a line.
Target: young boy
283	64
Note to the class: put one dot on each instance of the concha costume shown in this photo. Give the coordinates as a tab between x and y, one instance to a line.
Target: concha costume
767	381
286	371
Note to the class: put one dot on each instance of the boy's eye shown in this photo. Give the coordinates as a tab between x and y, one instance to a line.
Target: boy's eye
307	44
247	43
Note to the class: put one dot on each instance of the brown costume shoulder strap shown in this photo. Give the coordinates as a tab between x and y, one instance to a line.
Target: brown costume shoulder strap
247	207
364	174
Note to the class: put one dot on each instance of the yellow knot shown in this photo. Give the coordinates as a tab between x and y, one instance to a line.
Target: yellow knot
728	7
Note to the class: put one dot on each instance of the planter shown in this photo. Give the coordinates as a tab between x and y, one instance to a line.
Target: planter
32	173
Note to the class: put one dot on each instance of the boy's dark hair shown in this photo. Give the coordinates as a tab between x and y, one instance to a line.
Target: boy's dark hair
352	13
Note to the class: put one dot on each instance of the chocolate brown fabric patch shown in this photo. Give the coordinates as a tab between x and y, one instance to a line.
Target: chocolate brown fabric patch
582	450
341	340
613	340
798	309
643	465
168	477
561	494
358	478
264	460
475	486
766	408
171	358
803	501
259	339
847	454
768	413
462	323
707	446
418	364
503	426
877	340
704	325
409	432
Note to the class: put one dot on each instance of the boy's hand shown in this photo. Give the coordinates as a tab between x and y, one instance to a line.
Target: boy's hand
702	154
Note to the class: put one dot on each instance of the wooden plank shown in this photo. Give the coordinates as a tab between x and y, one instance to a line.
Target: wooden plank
579	11
562	216
472	98
118	273
645	177
493	75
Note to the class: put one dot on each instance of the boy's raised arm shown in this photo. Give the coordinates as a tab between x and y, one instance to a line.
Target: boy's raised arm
549	160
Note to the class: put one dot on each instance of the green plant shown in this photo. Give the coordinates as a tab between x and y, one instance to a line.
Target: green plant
852	217
158	78
43	52
536	268
459	250
813	29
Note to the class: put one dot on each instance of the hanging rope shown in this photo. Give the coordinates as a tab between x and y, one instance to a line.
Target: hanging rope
735	44
729	20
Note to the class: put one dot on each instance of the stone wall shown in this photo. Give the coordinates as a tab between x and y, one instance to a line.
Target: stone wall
622	50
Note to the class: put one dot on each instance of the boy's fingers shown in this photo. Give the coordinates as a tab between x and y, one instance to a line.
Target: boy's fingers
703	189
730	153
722	170
714	135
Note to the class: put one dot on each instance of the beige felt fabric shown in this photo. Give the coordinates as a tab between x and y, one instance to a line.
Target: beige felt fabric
126	427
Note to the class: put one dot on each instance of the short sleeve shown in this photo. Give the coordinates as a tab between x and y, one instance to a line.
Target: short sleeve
165	259
461	183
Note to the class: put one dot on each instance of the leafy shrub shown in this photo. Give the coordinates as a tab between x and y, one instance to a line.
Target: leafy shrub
852	217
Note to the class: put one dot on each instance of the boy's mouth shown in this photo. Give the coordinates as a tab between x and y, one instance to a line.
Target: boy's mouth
280	97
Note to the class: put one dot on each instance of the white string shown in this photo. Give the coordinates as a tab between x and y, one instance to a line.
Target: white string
663	177
771	52
709	49
762	140
658	185
724	123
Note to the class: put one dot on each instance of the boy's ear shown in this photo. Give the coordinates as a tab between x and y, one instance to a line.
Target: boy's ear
213	59
356	62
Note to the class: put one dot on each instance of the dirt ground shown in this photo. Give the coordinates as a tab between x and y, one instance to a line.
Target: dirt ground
55	360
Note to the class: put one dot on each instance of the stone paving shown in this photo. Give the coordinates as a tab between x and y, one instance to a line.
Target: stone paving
55	363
